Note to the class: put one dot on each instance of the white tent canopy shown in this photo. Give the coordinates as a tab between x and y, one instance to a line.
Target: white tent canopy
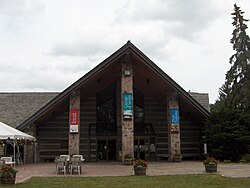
10	133
7	132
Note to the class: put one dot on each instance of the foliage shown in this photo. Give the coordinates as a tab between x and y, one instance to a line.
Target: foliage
226	161
177	155
246	157
210	161
128	157
140	163
228	128
22	142
171	181
243	161
7	171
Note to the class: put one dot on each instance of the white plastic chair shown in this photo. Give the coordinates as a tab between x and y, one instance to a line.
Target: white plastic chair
8	160
60	165
79	156
2	163
67	157
75	165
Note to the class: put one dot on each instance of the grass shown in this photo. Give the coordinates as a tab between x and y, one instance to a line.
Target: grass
172	181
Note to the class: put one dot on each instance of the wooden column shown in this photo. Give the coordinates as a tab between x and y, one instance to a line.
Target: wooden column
127	119
174	126
74	123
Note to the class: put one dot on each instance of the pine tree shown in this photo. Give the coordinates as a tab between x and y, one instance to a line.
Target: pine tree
237	78
228	129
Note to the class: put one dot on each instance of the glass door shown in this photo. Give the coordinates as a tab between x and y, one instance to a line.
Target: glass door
106	150
140	148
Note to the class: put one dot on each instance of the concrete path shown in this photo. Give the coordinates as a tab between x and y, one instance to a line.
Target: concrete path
92	169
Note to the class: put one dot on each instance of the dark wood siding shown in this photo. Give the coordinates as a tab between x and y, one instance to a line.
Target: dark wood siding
53	136
190	134
88	116
156	115
190	139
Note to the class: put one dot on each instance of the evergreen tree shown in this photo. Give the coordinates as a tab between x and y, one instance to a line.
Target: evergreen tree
237	78
228	129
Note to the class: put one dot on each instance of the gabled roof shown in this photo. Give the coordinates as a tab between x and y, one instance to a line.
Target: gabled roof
128	47
17	107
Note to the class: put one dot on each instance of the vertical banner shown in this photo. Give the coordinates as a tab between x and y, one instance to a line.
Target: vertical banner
174	119
127	105
74	120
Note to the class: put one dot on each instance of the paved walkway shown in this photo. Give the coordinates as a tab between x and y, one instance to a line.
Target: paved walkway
92	169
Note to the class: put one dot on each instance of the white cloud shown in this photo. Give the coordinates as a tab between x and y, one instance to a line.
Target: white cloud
47	45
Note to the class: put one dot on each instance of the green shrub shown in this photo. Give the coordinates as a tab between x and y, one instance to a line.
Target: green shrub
226	161
246	157
243	161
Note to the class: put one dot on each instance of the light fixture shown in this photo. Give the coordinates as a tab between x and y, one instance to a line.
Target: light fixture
127	73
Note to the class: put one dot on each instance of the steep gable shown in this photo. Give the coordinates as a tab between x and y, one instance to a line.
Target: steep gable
140	59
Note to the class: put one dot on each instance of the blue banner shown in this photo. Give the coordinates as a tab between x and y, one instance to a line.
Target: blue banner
174	113
127	104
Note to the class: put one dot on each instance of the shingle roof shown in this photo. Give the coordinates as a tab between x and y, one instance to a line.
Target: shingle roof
202	98
16	107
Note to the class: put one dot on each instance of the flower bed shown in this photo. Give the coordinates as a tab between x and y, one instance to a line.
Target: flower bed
8	174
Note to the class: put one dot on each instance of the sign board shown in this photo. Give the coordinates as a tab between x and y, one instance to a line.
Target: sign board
127	105
73	117
74	120
73	128
174	120
174	113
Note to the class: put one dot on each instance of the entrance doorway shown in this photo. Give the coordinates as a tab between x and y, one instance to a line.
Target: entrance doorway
106	150
140	148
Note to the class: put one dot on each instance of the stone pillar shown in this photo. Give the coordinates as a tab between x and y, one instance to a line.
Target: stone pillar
74	123
127	119
174	146
1	150
29	151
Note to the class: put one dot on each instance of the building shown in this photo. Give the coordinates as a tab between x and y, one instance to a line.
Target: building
124	106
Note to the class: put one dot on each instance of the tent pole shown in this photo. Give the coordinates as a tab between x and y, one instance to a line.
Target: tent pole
14	160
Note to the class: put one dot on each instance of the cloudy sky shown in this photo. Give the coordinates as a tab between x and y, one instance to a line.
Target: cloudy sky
46	45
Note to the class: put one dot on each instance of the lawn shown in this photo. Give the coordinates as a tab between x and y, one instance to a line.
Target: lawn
185	181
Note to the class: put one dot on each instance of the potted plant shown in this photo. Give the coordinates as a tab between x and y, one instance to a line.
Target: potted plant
128	160
210	164
177	157
8	174
140	167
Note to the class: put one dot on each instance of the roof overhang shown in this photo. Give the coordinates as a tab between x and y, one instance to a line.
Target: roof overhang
140	60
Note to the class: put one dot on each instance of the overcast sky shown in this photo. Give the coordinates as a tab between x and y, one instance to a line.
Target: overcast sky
46	45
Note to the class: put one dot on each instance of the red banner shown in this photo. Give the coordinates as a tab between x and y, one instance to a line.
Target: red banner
73	117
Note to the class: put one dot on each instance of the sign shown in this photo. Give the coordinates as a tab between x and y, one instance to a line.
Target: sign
174	113
74	120
127	105
73	117
174	120
73	128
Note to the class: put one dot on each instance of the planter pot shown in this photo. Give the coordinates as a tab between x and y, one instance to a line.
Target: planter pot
140	171
8	179
211	168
